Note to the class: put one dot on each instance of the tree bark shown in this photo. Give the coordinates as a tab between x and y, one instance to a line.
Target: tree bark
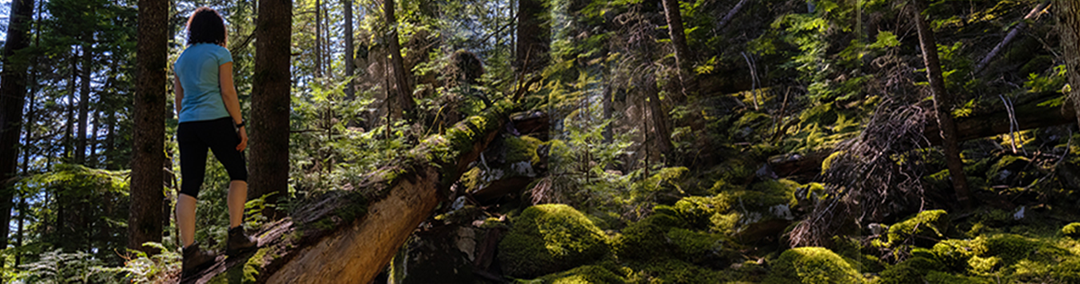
318	40
270	103
401	197
678	36
145	219
69	129
534	36
943	106
350	65
1069	29
12	98
84	101
401	79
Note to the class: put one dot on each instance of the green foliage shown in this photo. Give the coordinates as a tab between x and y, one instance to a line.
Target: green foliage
549	238
59	267
812	265
912	270
143	268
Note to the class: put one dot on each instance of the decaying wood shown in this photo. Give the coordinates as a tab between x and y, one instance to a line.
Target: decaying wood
317	244
1032	111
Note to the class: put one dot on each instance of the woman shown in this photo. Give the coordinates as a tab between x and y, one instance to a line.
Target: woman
209	114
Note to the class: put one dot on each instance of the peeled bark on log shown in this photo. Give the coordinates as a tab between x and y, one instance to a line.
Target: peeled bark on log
1009	37
1029	113
320	243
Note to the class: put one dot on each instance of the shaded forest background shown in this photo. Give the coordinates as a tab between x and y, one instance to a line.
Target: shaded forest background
666	141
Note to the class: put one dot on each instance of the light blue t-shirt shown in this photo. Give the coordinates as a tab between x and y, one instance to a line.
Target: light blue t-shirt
198	71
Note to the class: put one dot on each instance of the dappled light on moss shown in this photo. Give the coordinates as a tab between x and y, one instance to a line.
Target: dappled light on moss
549	238
812	265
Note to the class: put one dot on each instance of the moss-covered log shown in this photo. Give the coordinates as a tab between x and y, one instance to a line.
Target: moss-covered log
348	236
1031	111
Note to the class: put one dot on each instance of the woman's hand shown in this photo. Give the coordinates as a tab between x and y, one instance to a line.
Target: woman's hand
243	139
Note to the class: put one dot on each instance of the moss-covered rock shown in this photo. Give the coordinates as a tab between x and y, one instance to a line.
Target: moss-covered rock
932	224
954	254
912	270
1072	230
678	271
587	274
812	265
549	238
647	239
938	277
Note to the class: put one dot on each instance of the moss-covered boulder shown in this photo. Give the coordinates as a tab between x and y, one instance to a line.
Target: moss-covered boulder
760	211
931	224
1072	230
548	238
677	271
912	270
587	274
646	239
812	265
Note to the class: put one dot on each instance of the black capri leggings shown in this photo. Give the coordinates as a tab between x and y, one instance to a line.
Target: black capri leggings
218	135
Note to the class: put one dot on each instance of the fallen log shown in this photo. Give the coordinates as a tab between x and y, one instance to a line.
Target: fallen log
1030	111
349	236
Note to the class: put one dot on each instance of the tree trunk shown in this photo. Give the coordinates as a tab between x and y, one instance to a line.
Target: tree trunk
401	79
12	98
145	219
534	36
69	130
318	40
350	89
1068	12
355	250
84	101
678	36
943	107
662	133
270	103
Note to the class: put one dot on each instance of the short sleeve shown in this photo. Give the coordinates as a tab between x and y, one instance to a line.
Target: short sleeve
223	56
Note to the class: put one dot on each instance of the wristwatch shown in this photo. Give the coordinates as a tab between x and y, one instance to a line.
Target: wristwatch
241	124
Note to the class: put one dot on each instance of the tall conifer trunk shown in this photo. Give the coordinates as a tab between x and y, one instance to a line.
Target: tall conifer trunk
84	100
401	79
534	36
678	39
943	106
145	219
1068	13
12	98
350	65
269	127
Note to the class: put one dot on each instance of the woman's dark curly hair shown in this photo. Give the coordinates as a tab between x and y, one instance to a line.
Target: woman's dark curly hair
206	26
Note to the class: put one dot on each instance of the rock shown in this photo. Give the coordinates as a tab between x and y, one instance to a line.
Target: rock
812	265
548	238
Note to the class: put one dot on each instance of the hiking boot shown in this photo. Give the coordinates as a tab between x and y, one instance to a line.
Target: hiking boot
196	258
239	242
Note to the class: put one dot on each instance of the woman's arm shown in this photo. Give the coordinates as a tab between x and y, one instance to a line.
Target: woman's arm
179	90
232	102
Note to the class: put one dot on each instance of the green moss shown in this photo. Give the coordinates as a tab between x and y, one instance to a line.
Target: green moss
983	265
646	239
1067	271
678	271
252	266
588	274
912	270
549	238
954	254
812	265
522	148
1072	230
937	277
931	223
697	246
